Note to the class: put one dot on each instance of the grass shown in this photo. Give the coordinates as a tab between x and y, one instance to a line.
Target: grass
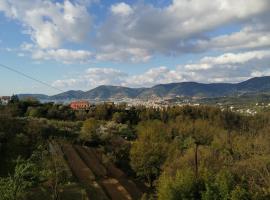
68	192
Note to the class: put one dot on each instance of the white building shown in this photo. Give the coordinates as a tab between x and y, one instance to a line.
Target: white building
4	100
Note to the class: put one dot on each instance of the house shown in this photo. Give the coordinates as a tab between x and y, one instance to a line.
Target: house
4	100
80	105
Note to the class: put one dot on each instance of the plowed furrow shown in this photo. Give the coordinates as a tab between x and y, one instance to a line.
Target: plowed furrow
92	162
112	186
115	190
119	175
83	174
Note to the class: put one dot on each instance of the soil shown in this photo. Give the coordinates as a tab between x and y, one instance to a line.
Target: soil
101	182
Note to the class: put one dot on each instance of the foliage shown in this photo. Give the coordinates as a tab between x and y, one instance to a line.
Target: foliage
188	152
182	186
148	153
89	131
15	186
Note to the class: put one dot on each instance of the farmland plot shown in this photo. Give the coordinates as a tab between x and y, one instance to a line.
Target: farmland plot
111	185
83	174
100	182
115	173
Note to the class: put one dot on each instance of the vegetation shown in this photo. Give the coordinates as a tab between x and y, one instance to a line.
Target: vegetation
188	152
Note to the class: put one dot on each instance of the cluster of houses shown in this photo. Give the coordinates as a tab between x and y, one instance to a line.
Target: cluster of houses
4	100
75	105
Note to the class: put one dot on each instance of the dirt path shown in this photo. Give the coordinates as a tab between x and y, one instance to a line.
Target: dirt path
92	162
111	185
115	189
117	174
123	179
100	182
83	174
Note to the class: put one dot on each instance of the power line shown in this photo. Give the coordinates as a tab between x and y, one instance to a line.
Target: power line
29	77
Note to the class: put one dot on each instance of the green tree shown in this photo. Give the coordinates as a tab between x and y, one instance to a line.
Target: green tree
148	153
181	187
201	132
57	175
102	112
89	131
15	186
118	117
218	186
33	112
14	99
240	193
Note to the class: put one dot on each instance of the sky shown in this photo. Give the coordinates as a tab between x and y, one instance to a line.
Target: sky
81	44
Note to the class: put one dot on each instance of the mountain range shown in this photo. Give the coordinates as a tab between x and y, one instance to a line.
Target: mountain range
170	90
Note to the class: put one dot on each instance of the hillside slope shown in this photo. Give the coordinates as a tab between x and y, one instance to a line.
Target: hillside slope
183	89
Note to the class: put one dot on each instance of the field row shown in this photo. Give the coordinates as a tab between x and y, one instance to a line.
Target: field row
101	182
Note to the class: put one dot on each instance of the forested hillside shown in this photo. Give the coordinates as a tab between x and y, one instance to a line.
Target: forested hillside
258	85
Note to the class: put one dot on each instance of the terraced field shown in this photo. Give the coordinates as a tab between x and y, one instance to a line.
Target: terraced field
101	182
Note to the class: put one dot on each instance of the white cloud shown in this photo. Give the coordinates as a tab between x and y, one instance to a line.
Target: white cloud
229	67
66	83
236	58
104	76
137	32
93	77
21	55
228	60
121	9
256	74
4	6
27	46
107	76
184	27
131	54
63	55
246	38
49	23
154	76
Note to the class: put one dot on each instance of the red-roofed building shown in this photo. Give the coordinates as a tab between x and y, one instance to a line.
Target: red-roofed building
80	105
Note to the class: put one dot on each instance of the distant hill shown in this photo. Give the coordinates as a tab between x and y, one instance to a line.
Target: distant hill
183	89
189	89
35	96
71	94
258	84
106	92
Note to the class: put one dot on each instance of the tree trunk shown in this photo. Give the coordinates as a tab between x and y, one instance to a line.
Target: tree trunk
229	141
150	181
196	160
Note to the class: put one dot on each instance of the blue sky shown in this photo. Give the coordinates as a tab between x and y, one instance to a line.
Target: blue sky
80	44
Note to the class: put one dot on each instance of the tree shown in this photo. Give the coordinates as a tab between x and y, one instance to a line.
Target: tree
15	186
148	153
201	131
126	132
230	121
33	112
218	186
56	174
102	112
14	99
89	131
181	187
118	117
240	193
